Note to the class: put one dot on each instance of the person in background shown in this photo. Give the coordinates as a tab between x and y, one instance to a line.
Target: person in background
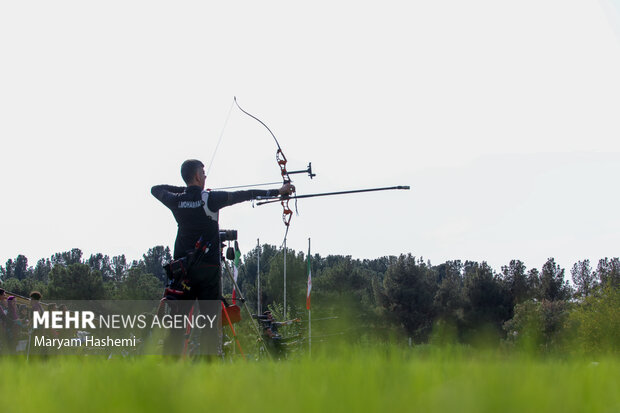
13	325
35	305
4	322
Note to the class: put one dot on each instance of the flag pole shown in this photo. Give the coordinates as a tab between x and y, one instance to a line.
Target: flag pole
308	303
284	311
259	312
236	264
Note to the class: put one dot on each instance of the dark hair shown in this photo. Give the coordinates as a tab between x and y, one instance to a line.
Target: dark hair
35	295
189	169
1	291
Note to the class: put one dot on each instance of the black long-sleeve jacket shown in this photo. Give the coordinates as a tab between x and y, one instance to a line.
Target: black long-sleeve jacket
197	212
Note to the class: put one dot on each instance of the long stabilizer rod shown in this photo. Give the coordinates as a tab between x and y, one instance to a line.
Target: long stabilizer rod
335	193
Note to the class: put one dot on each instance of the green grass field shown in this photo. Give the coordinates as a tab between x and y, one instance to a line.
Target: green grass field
355	380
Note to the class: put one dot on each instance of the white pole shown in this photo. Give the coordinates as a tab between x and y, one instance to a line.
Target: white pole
284	311
221	277
310	332
309	313
258	275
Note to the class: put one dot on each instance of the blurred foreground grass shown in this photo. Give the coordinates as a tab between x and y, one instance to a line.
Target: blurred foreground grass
355	380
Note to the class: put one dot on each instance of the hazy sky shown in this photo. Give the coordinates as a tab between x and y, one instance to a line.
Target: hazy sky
502	116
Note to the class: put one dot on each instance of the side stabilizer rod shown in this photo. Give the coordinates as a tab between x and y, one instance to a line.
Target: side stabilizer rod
308	171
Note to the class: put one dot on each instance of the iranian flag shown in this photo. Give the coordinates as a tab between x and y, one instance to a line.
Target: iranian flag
309	282
237	263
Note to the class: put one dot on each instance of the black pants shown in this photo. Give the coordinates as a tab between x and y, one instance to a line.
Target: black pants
204	280
204	284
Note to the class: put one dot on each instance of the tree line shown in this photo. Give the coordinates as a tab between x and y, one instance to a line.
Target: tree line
69	276
380	298
456	301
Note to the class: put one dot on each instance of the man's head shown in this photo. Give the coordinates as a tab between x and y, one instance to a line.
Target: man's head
193	173
35	295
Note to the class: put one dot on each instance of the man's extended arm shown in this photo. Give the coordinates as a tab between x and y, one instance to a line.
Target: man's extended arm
220	199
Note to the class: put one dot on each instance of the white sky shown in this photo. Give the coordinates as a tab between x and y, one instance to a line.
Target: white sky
502	116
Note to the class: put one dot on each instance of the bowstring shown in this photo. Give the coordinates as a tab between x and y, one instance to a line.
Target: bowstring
221	136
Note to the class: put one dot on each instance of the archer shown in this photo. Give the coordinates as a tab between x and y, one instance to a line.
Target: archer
196	212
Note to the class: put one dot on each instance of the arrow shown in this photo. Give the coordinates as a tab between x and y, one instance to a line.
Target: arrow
245	186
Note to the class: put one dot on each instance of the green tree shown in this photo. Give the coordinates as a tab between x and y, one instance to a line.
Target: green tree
516	281
295	280
15	286
449	299
533	282
155	259
345	290
538	326
139	285
553	287
68	257
101	263
42	270
596	322
119	267
488	303
248	275
8	271
583	278
409	288
379	265
75	282
608	272
17	268
21	267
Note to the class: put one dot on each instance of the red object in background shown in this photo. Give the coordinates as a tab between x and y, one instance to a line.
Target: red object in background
234	313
